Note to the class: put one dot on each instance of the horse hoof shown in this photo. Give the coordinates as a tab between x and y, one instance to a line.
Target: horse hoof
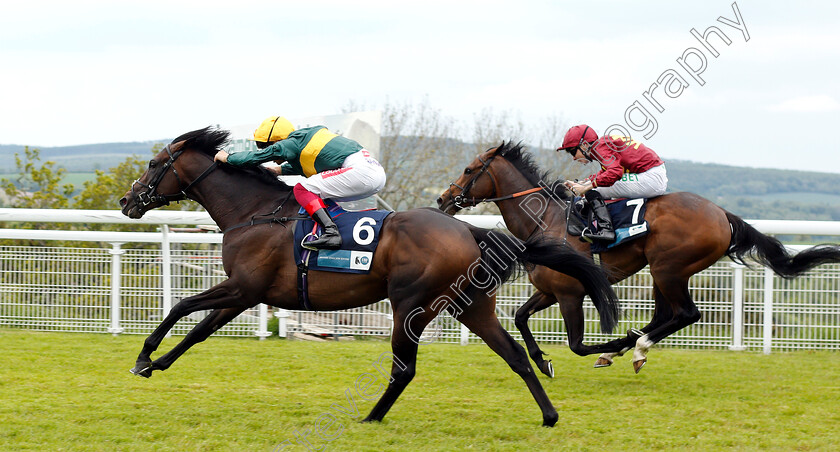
547	368
550	420
142	371
637	365
602	362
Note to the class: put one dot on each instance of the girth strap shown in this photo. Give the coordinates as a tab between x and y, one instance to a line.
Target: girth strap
303	287
303	276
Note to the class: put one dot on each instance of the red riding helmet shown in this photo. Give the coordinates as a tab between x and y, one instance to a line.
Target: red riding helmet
577	135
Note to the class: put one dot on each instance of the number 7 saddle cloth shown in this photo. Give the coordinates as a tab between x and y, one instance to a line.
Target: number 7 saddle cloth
628	218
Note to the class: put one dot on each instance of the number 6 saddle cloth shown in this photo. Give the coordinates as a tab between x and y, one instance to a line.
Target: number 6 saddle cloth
359	237
628	218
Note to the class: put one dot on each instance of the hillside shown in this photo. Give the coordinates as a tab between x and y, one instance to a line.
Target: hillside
748	192
82	158
760	193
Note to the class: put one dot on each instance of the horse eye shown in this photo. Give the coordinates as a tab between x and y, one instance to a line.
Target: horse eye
467	171
152	163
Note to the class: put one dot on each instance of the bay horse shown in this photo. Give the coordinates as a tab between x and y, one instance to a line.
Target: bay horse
426	262
687	234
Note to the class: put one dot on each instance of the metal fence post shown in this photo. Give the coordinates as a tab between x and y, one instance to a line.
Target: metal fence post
768	310
166	269
262	329
282	328
737	306
116	286
465	335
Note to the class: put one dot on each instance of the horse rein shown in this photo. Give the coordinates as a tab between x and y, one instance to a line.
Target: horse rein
149	197
460	198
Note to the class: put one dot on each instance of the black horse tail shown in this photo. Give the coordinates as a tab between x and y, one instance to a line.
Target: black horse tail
500	254
768	251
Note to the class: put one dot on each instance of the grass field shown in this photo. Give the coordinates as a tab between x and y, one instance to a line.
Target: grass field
68	392
77	179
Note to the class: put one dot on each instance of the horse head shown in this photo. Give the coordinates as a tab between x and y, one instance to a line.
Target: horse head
173	172
475	184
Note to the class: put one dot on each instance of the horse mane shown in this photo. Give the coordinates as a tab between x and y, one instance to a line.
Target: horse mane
210	140
524	162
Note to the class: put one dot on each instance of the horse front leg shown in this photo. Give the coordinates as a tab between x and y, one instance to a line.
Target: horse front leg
675	310
536	303
220	296
199	333
480	318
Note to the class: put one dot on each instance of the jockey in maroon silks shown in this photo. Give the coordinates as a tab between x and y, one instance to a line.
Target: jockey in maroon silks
629	169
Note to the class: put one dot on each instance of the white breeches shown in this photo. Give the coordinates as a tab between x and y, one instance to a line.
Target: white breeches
652	182
359	177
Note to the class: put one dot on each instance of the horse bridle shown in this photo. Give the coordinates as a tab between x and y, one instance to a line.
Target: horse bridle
149	196
460	198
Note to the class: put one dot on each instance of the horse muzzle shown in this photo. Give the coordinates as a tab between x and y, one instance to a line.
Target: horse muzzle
132	206
449	206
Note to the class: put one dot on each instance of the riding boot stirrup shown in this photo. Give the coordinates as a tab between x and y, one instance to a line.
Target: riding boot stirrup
330	239
601	216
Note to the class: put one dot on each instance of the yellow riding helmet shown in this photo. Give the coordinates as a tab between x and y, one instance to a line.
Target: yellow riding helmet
274	128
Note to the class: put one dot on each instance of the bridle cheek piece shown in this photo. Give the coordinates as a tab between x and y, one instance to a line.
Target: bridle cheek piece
150	196
460	198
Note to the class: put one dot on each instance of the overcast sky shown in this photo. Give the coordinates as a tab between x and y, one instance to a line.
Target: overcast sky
82	72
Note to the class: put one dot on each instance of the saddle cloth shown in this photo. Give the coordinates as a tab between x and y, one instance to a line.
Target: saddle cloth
628	217
359	236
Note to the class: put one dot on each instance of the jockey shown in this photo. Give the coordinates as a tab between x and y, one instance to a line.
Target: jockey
335	168
629	169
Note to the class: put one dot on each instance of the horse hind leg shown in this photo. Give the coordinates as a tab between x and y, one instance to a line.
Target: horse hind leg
673	293
536	303
486	325
661	314
624	344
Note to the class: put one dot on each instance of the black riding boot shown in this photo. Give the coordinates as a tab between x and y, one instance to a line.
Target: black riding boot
329	239
601	216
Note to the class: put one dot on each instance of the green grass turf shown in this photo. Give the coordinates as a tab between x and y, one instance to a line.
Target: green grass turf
68	392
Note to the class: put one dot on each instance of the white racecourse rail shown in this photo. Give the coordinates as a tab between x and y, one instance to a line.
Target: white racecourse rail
108	286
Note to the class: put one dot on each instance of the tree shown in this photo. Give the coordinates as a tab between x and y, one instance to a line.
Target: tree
105	191
38	185
490	129
422	152
418	153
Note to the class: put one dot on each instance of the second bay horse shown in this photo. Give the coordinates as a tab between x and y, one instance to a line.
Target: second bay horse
688	234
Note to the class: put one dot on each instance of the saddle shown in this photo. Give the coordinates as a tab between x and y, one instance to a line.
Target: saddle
359	237
359	234
628	217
